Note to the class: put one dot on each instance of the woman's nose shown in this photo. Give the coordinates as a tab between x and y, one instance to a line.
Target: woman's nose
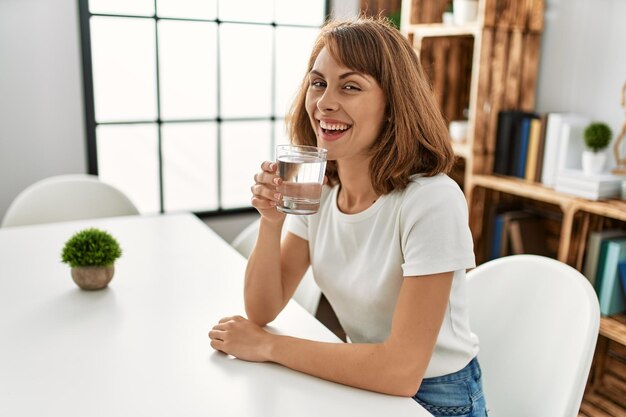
328	101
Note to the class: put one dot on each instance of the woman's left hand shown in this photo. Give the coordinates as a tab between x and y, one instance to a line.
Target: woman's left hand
241	338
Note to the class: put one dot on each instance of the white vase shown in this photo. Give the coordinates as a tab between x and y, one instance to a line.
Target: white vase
593	162
465	11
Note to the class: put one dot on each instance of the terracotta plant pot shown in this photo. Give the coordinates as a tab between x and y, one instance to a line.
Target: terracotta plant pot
93	277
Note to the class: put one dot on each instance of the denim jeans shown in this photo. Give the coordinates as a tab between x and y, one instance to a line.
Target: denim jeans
457	394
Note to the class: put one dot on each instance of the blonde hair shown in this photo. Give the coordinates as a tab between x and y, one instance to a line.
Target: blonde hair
414	138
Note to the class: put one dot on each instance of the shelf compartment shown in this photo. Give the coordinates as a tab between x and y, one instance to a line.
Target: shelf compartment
447	62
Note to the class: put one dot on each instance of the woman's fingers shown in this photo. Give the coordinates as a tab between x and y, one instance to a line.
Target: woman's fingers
269	166
268	178
231	318
265	192
218	345
262	203
215	334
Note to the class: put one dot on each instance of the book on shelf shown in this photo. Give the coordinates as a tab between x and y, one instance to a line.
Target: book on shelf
527	235
518	231
496	237
594	241
541	147
608	285
572	144
512	142
591	186
622	276
520	153
500	242
563	145
534	154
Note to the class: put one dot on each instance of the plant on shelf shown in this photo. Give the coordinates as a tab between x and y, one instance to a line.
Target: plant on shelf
91	253
597	136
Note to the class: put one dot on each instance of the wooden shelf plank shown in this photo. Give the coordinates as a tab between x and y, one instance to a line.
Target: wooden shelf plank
614	328
522	188
615	209
432	30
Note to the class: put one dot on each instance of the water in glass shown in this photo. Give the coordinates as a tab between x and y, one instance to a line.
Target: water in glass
302	177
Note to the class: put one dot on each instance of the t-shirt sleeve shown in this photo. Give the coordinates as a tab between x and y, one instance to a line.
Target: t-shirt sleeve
298	225
435	232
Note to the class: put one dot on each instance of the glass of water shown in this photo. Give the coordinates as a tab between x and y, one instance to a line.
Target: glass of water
301	169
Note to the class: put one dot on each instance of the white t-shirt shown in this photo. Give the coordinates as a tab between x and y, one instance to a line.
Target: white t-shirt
360	260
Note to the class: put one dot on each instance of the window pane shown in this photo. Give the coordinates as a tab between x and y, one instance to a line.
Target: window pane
245	145
128	158
294	12
190	166
193	9
247	10
188	69
134	7
293	47
246	70
280	133
124	73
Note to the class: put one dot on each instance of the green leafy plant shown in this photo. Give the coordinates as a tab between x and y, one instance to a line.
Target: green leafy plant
597	136
394	18
91	247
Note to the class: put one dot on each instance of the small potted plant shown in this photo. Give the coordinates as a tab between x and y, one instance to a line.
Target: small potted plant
91	254
597	136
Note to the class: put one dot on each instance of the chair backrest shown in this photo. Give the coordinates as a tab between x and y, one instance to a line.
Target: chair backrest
307	294
537	320
67	197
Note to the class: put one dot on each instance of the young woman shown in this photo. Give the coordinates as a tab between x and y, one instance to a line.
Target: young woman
390	243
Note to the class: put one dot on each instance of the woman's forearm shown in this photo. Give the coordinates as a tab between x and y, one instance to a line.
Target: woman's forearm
377	367
263	289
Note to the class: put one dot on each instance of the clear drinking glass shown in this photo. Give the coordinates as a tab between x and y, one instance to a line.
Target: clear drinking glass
302	170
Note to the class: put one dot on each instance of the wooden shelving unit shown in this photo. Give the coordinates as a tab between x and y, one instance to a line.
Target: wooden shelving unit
606	391
476	71
478	68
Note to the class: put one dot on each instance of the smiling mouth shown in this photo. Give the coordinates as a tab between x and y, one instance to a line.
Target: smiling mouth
333	129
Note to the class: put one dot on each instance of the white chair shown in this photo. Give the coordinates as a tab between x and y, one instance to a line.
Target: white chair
538	321
307	294
67	197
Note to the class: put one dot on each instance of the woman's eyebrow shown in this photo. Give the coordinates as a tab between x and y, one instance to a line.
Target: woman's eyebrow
350	73
342	76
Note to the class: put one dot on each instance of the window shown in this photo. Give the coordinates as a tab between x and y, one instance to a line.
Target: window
184	98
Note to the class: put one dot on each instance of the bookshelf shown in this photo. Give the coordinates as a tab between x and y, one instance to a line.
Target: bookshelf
477	70
605	394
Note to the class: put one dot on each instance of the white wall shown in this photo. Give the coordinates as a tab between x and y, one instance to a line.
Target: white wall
41	112
583	67
583	59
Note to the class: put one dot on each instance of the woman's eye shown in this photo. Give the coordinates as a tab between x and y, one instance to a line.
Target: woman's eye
350	87
318	84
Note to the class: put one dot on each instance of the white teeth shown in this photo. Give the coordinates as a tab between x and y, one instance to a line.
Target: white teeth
333	126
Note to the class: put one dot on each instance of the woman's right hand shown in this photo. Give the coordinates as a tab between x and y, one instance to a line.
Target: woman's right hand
265	194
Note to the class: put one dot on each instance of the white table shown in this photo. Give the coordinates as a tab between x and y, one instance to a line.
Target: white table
140	347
